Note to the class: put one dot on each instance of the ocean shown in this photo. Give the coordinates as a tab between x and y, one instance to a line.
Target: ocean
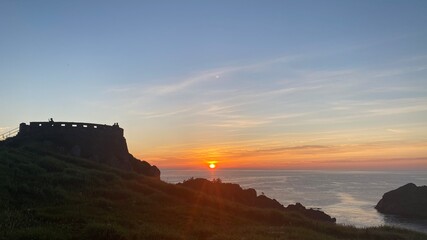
349	196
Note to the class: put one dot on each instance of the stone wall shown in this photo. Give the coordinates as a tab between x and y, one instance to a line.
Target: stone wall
69	127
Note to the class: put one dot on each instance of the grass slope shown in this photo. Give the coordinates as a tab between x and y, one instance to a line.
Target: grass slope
46	195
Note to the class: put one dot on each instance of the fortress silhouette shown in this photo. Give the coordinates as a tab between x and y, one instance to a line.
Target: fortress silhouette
98	142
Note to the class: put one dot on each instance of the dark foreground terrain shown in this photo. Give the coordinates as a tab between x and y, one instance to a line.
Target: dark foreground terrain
48	195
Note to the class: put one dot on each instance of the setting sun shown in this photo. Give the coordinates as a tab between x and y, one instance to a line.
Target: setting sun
212	166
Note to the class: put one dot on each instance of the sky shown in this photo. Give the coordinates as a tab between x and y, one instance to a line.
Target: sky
244	84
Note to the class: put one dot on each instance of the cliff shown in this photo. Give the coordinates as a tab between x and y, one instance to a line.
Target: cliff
100	143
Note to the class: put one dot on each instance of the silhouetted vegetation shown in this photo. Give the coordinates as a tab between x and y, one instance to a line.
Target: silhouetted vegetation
47	195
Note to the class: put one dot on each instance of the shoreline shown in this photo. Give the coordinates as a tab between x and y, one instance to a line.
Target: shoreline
335	198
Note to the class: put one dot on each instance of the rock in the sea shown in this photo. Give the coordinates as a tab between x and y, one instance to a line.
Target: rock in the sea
408	200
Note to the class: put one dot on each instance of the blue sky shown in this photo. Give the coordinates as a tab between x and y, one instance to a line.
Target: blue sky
293	84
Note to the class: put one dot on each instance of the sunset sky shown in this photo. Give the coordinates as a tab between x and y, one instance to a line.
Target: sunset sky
247	84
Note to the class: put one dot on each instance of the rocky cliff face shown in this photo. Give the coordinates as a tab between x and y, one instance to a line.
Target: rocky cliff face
408	200
101	143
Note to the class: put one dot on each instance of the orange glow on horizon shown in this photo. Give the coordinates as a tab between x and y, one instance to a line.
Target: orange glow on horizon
367	156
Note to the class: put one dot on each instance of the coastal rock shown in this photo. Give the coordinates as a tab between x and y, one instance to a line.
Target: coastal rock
311	213
230	191
249	197
143	167
408	200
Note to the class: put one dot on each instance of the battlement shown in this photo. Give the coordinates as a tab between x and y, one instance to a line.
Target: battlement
69	127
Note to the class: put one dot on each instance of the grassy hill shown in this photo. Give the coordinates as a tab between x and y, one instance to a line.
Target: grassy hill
47	195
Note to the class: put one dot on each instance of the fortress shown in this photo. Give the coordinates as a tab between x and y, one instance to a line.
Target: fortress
98	142
51	127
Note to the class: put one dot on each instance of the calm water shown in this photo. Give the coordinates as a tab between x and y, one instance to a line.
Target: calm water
350	196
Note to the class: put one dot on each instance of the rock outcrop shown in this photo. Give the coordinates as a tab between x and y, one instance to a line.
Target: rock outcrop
249	197
101	143
408	200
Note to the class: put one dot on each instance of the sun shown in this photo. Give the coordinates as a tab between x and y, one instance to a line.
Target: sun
212	165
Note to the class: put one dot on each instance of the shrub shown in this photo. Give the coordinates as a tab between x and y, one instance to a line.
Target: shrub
36	233
70	182
102	231
51	165
103	176
103	203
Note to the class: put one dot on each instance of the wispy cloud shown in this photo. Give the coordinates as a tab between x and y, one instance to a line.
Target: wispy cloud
395	130
398	71
4	129
215	75
148	115
240	123
218	109
372	160
397	110
186	83
305	148
118	89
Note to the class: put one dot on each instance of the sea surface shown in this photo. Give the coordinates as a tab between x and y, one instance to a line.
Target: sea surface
349	196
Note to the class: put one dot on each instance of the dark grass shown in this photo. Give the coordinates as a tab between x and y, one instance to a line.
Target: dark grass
46	195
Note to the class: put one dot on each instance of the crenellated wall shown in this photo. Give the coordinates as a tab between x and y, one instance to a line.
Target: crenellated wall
69	127
100	142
